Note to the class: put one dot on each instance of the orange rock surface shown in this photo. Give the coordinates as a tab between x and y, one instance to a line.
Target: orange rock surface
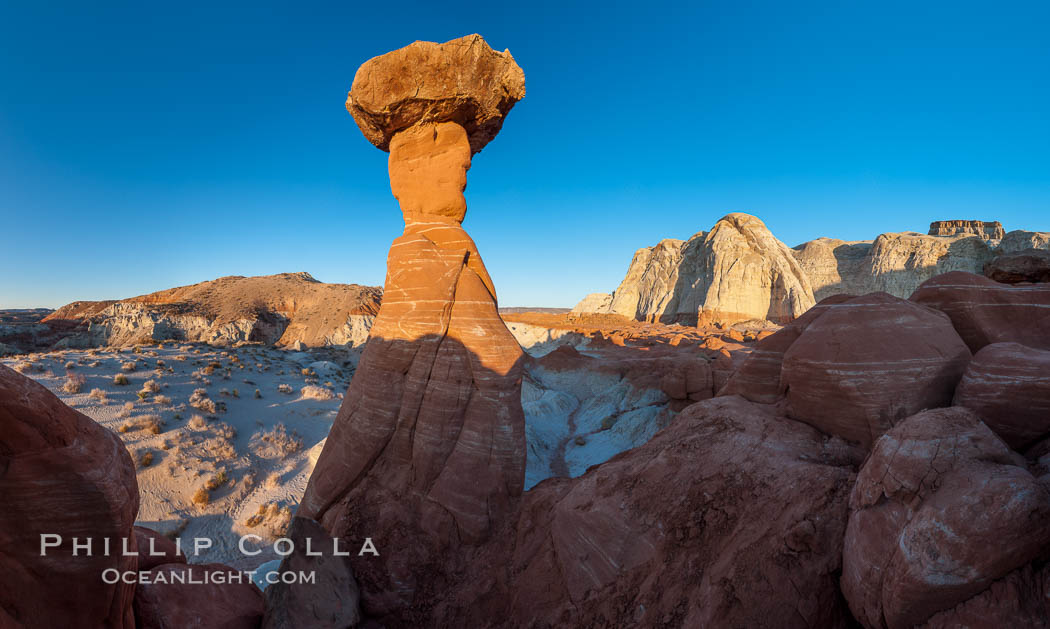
427	454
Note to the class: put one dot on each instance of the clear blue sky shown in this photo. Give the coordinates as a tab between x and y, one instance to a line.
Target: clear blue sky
148	145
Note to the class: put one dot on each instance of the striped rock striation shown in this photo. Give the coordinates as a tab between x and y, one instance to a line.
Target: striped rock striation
984	311
868	363
427	453
1008	385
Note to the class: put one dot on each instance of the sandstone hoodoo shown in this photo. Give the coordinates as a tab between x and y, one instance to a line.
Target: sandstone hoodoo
462	81
61	475
428	450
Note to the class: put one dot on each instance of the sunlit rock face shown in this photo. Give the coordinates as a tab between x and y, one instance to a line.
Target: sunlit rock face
427	454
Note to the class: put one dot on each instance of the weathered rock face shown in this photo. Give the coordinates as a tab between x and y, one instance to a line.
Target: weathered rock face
155	549
736	271
276	309
1008	386
1030	265
648	290
332	602
984	311
63	474
1020	599
866	364
598	303
668	281
218	596
427	454
729	517
759	378
462	81
892	263
941	509
989	230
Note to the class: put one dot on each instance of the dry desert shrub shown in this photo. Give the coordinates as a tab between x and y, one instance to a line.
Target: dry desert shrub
199	400
146	459
70	365
74	383
284	388
125	411
201	497
273	481
121	380
100	395
28	366
151	386
128	366
162	400
217	480
314	392
276	442
273	517
197	422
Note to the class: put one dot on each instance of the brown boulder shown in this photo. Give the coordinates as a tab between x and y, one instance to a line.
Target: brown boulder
1008	386
758	378
462	81
62	474
984	311
940	510
1021	599
1032	265
867	363
687	379
331	601
197	596
729	517
155	549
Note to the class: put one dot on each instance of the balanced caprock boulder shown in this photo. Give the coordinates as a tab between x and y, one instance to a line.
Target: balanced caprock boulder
427	453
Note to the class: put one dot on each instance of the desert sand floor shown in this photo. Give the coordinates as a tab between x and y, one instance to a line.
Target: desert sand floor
224	439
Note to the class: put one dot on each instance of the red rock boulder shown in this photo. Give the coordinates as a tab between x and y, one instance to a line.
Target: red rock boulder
1020	599
62	474
729	517
867	363
941	509
1008	386
330	601
197	596
758	378
1032	265
984	311
155	549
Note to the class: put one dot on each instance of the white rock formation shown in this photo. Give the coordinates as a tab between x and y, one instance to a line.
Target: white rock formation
597	303
737	271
